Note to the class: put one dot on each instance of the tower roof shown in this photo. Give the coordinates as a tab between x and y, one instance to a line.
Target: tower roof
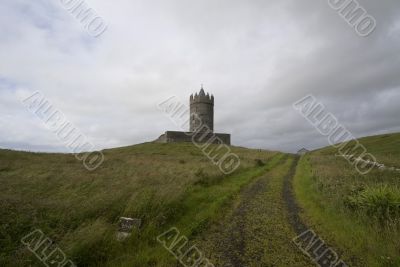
202	92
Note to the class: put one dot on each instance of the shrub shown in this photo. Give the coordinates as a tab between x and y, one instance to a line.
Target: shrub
380	202
259	163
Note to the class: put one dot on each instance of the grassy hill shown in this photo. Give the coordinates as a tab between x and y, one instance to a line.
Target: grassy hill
241	219
162	184
359	213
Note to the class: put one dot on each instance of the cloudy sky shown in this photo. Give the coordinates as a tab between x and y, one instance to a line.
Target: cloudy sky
257	57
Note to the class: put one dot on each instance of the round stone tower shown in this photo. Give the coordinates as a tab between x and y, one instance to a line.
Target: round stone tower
202	107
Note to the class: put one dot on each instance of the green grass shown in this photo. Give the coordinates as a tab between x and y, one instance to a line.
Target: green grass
386	148
200	206
358	213
162	184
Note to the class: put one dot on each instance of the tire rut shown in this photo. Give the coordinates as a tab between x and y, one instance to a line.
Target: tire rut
293	208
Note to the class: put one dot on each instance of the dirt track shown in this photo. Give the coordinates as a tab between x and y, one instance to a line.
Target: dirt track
256	231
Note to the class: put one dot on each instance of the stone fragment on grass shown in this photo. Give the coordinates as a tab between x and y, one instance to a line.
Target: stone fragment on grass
126	225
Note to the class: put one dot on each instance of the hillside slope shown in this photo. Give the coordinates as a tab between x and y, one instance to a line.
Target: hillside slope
162	184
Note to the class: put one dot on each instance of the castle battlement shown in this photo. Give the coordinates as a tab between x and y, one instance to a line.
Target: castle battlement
202	97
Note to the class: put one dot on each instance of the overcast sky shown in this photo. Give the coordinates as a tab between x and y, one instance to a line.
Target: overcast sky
257	57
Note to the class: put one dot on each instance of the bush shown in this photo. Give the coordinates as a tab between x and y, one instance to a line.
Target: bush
380	202
259	163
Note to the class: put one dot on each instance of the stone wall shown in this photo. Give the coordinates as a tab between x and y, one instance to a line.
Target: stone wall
199	137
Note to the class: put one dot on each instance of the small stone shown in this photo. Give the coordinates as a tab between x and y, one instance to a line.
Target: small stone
127	224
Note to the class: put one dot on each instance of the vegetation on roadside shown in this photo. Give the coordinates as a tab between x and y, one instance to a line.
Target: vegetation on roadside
358	213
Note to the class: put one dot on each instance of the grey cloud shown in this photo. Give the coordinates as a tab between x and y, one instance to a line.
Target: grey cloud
257	58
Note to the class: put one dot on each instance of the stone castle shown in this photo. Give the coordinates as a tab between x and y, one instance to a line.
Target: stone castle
201	128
